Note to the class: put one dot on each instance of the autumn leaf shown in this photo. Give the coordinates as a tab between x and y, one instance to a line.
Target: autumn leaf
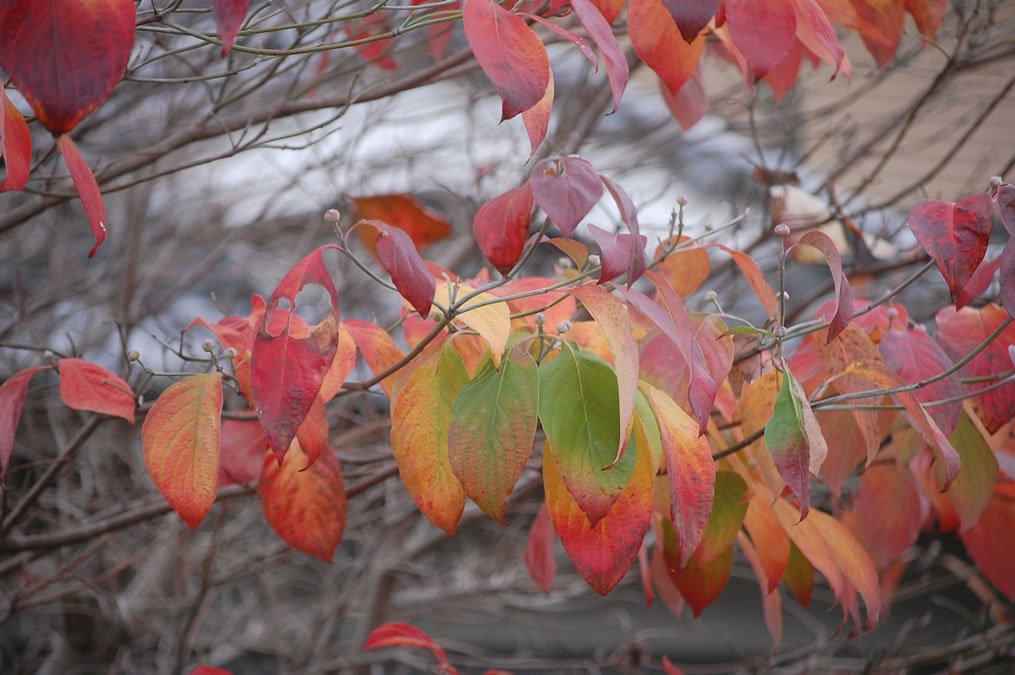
180	438
89	386
691	16
65	56
305	505
15	145
955	235
242	445
770	541
492	429
793	437
12	401
615	252
916	357
229	15
537	121
732	497
501	226
1006	206
700	583
844	297
510	54
754	276
539	560
599	29
421	414
492	321
378	349
579	409
341	366
403	211
401	260
566	189
763	30
602	551
971	490
403	635
991	545
685	268
658	43
88	190
636	264
690	104
555	306
1007	277
815	32
890	510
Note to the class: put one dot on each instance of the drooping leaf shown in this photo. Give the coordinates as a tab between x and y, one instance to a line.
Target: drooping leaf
89	386
556	306
287	370
980	281
510	54
15	145
566	189
403	635
577	40
700	583
961	332
691	15
685	268
491	321
991	545
404	212
799	575
844	297
65	56
341	366
763	30
770	541
690	472
605	550
180	437
690	104
1006	206
229	15
599	29
794	439
782	76
629	214
537	121
928	16
12	401
378	349
916	357
579	409
659	44
88	190
492	430
421	414
880	26
1007	277
242	445
770	597
501	226
616	250
401	260
971	490
539	558
890	511
955	235
754	276
815	32
305	505
728	510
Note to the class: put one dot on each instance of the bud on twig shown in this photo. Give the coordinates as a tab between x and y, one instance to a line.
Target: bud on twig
782	230
539	318
564	326
332	215
711	296
208	345
133	355
682	200
230	353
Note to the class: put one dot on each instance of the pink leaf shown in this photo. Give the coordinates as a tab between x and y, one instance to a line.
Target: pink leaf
629	214
539	550
537	120
229	15
844	297
88	190
1006	206
12	400
566	189
616	65
402	261
616	252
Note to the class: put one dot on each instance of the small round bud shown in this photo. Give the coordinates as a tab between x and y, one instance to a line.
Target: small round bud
133	355
539	319
48	355
752	464
208	345
779	331
229	353
332	215
785	296
593	260
682	200
782	230
711	296
564	326
996	181
892	313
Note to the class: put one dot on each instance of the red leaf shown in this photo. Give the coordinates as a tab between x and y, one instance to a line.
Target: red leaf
991	545
928	16
15	145
658	43
691	15
880	26
980	281
959	333
616	252
689	104
916	357
783	75
404	212
700	583
242	445
955	235
577	40
890	511
180	438
501	226
629	214
88	190
209	670
313	433
89	386
305	506
599	29
12	400
763	30
288	370
755	278
376	51
229	15
537	119
844	297
65	56
1006	207
398	255
510	54
403	635
566	189
815	31
539	550
1007	278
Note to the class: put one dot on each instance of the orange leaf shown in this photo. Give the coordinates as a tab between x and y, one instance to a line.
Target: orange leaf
89	386
345	361
657	41
537	118
378	349
180	437
770	540
685	268
404	212
305	507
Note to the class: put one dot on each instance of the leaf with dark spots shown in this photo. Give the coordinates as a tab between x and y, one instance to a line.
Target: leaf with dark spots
65	56
955	235
566	189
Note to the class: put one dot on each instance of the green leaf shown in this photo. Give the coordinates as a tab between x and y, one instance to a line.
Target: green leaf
491	433
971	490
580	411
794	439
728	511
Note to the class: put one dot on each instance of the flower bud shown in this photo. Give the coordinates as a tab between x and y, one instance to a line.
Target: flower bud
711	296
564	326
230	353
682	200
332	215
782	230
133	355
892	313
779	331
996	181
539	319
208	345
